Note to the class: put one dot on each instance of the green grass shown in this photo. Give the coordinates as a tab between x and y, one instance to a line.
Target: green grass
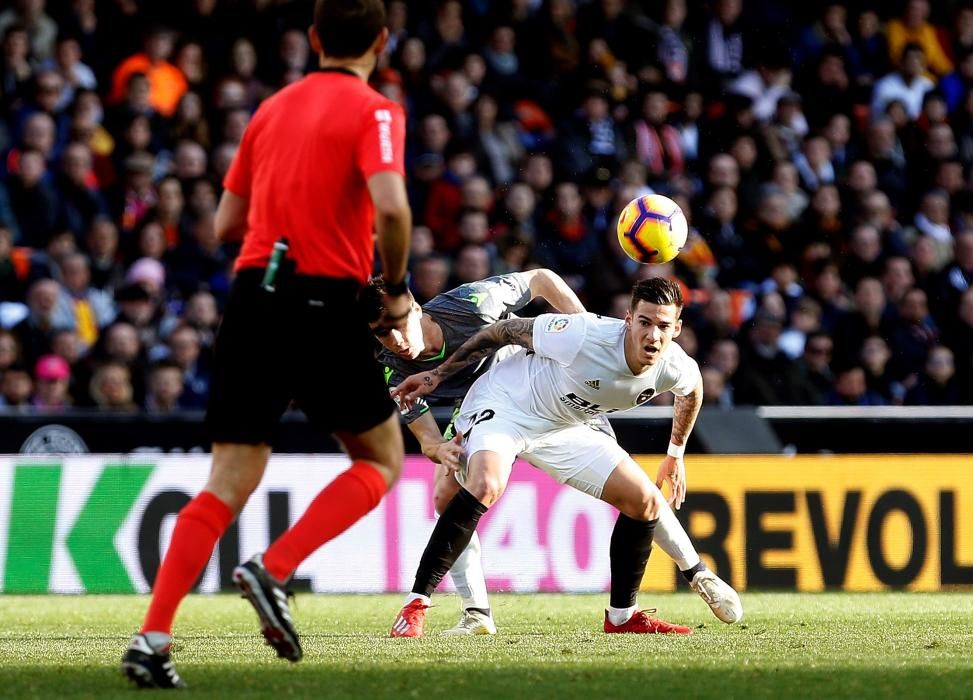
901	645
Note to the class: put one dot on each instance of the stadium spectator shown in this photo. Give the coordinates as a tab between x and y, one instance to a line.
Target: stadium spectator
111	388
913	28
873	100
908	85
52	377
167	84
850	389
30	16
937	384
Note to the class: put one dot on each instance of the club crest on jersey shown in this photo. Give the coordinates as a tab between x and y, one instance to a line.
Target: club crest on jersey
556	325
593	383
644	396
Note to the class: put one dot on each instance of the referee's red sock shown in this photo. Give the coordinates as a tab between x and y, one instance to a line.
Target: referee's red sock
200	524
340	505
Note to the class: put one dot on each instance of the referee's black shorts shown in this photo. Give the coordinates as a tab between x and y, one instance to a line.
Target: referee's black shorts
307	342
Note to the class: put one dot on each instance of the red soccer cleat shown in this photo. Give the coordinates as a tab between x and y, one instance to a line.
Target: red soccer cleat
410	621
641	623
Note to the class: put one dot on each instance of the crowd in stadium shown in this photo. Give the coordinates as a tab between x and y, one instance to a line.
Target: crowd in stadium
822	154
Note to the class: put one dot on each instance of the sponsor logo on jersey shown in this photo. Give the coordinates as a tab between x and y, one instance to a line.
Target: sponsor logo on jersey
384	119
584	406
593	383
478	297
644	396
556	325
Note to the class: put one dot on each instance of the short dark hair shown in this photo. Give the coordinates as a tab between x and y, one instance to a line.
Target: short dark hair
913	46
371	299
657	290
163	364
347	28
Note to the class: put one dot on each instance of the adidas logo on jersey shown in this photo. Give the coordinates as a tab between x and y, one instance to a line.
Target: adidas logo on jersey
593	383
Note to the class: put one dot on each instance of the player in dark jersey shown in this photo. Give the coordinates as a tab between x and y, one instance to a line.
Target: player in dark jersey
432	333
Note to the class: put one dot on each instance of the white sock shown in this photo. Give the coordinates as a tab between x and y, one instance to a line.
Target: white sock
619	616
673	540
468	578
158	640
426	600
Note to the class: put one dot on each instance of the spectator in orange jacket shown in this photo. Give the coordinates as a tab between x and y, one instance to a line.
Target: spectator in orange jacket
167	84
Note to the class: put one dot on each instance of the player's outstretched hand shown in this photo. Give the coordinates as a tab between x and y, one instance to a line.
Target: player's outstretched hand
673	470
415	386
450	454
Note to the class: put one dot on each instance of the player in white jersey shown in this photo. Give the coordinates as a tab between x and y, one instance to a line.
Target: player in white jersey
433	331
535	405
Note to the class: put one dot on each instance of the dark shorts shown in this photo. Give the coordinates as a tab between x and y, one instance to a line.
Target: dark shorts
305	342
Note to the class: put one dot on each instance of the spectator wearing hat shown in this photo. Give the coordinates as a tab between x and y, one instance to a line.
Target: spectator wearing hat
52	375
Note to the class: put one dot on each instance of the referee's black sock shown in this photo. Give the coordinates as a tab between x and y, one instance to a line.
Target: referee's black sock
448	540
631	544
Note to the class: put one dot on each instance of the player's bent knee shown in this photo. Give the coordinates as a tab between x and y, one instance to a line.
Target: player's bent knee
487	490
644	504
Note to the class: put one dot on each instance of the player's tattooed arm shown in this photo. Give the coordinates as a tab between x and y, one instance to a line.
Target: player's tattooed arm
684	412
514	331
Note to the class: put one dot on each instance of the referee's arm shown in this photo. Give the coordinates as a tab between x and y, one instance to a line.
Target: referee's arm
231	216
393	222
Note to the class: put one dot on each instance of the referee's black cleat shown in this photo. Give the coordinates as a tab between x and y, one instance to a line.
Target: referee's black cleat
269	599
150	668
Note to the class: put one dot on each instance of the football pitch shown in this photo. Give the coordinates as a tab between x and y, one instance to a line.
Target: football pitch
831	645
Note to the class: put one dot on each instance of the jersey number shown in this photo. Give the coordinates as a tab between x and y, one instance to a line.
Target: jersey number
485	414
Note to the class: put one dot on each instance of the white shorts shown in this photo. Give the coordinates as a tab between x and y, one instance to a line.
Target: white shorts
582	455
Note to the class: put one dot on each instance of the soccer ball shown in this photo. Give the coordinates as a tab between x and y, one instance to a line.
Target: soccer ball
652	229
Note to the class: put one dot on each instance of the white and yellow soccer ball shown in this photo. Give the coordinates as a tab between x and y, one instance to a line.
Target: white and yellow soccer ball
652	229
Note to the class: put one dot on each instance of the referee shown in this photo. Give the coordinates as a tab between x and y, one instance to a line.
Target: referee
320	166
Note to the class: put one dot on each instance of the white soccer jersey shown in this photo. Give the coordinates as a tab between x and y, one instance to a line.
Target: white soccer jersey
577	370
